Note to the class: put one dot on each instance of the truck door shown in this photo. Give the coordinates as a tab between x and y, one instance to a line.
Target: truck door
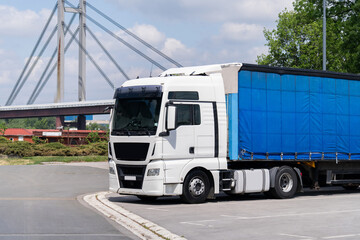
204	132
194	133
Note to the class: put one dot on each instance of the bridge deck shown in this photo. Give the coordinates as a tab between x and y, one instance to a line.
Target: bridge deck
56	109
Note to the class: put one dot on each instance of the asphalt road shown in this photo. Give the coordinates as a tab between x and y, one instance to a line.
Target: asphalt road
327	214
40	202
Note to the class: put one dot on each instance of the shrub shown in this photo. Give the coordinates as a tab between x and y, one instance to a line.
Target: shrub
21	149
93	137
26	149
4	140
37	140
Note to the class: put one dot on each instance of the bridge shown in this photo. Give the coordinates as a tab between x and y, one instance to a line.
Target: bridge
58	110
56	62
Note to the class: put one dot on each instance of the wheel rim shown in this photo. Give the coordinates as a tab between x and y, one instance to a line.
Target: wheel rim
196	186
286	182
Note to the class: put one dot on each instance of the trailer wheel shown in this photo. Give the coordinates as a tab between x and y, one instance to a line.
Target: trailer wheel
196	187
146	198
285	183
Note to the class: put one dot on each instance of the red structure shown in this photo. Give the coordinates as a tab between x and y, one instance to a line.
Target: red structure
19	134
67	137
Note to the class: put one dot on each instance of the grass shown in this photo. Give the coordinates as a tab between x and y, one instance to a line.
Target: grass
43	159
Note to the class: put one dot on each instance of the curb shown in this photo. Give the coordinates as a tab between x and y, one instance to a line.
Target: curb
139	226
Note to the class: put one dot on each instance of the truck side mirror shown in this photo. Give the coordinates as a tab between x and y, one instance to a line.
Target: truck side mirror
171	116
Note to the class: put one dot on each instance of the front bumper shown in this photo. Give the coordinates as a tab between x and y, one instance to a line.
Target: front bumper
134	179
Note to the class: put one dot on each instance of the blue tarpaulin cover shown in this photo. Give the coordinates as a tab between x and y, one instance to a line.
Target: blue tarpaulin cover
276	117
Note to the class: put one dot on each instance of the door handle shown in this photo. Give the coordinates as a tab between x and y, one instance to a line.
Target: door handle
192	150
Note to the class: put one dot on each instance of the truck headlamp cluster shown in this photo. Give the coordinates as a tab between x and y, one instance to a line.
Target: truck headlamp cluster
153	172
111	170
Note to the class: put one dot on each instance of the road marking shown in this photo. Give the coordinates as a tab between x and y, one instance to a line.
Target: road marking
341	236
37	199
158	209
292	214
61	235
199	223
296	236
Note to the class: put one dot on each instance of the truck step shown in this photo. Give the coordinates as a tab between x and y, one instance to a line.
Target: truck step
227	179
345	181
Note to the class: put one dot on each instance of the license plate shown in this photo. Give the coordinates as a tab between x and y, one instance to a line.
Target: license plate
130	178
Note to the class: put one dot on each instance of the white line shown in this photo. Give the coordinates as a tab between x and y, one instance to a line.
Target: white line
296	236
341	236
158	209
60	235
141	227
199	223
229	216
298	214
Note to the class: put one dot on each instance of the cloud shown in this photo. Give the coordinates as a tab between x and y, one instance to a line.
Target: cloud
148	33
21	23
208	10
240	31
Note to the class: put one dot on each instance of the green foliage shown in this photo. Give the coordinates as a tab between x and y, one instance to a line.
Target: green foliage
4	140
38	140
95	126
93	137
21	149
26	149
297	39
2	128
30	123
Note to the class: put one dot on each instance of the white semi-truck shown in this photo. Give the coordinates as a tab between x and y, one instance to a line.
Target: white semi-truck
236	128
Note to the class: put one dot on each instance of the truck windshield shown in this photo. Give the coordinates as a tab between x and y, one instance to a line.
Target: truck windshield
136	116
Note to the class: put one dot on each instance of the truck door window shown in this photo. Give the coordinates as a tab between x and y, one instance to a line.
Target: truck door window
187	114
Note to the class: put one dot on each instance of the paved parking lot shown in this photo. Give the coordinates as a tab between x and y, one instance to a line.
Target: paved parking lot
40	202
331	213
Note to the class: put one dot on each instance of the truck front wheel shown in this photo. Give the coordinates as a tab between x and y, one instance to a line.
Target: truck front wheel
285	183
196	187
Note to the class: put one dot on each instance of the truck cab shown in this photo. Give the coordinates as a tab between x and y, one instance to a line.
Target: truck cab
167	128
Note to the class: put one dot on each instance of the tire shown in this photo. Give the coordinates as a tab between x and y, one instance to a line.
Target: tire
196	187
146	198
285	183
350	186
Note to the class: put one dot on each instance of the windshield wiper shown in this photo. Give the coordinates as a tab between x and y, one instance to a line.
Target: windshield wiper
120	132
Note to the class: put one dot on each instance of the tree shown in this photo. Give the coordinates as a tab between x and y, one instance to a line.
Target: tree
3	128
297	39
31	123
96	126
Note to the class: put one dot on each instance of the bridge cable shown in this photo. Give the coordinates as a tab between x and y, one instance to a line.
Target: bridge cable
54	67
31	56
133	35
33	65
126	43
121	40
93	62
107	53
31	101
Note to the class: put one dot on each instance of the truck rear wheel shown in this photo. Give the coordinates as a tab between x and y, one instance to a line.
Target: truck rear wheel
285	183
196	187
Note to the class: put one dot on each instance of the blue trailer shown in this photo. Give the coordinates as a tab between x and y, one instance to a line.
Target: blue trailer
302	118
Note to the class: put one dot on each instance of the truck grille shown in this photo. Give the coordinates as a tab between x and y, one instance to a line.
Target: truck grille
131	171
131	151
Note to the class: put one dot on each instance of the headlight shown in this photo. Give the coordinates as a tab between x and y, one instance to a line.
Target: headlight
153	172
111	170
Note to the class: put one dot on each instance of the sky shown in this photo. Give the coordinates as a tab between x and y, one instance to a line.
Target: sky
192	32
